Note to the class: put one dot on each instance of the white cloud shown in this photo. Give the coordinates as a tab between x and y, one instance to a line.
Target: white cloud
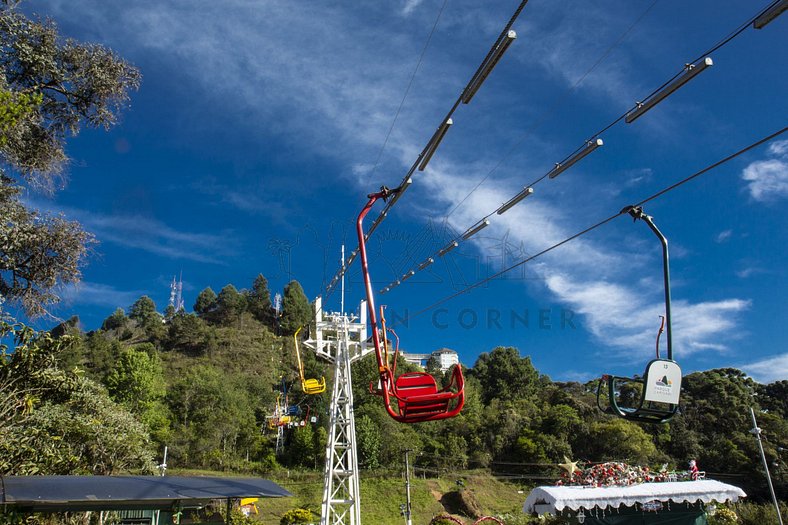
410	6
749	272
100	295
620	308
779	148
149	234
318	78
723	236
769	369
767	180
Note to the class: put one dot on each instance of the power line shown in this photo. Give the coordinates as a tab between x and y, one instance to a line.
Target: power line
591	228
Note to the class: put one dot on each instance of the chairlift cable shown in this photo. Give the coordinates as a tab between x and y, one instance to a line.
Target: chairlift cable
711	50
714	48
407	89
543	117
593	227
486	66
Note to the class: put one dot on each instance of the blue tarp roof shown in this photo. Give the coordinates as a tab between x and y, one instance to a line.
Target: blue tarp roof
59	493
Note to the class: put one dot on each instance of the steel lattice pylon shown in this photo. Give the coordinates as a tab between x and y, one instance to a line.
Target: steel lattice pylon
341	339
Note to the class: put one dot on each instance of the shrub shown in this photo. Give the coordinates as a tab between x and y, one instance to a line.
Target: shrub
297	516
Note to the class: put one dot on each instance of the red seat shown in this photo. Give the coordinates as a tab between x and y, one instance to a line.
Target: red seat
418	397
417	394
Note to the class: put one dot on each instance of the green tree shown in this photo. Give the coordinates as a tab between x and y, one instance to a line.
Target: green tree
294	516
189	334
296	310
205	303
301	447
116	321
215	416
55	421
505	375
369	441
259	301
617	439
49	89
144	311
230	304
137	379
38	252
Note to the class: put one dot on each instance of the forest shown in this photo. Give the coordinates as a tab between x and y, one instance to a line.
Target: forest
205	385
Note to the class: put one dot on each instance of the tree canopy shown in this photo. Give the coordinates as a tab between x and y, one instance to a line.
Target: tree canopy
50	88
296	310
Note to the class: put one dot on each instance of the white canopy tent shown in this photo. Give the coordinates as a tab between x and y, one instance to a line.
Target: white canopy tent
644	497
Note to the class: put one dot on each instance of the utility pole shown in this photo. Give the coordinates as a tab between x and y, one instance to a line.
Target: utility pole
407	488
757	432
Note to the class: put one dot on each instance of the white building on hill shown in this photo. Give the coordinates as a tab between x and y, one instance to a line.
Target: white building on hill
445	357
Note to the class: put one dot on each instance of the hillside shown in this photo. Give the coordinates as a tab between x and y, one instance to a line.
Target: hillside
206	384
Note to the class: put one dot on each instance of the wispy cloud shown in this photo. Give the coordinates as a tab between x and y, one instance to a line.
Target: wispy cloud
88	293
149	234
153	236
619	307
767	180
723	236
769	369
410	6
749	272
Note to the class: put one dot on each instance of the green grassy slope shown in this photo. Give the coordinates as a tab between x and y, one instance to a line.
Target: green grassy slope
383	492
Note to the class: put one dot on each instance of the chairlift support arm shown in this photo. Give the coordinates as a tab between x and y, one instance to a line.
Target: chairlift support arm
638	213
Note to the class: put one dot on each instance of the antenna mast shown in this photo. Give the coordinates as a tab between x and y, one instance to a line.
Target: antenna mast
342	300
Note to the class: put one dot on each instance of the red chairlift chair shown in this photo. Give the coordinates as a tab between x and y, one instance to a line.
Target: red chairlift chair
416	394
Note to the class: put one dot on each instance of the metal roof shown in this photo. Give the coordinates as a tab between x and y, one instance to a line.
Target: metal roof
60	493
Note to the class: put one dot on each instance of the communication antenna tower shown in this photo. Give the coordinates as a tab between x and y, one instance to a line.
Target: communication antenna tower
278	303
176	293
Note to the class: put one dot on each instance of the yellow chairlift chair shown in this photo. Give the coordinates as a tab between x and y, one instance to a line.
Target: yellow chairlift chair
309	386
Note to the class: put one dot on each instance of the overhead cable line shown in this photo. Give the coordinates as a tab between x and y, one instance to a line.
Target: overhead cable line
543	117
766	15
589	229
407	89
690	71
492	58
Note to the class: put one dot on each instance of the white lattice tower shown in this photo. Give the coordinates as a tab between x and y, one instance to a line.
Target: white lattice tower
340	339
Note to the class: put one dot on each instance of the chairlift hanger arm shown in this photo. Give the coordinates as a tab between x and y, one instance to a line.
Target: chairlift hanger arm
298	354
637	213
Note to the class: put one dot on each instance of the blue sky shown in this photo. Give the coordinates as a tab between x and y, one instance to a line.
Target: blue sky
259	126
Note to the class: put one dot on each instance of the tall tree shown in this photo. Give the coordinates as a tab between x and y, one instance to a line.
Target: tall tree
229	304
296	310
49	89
505	375
205	303
137	380
37	252
144	311
259	301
